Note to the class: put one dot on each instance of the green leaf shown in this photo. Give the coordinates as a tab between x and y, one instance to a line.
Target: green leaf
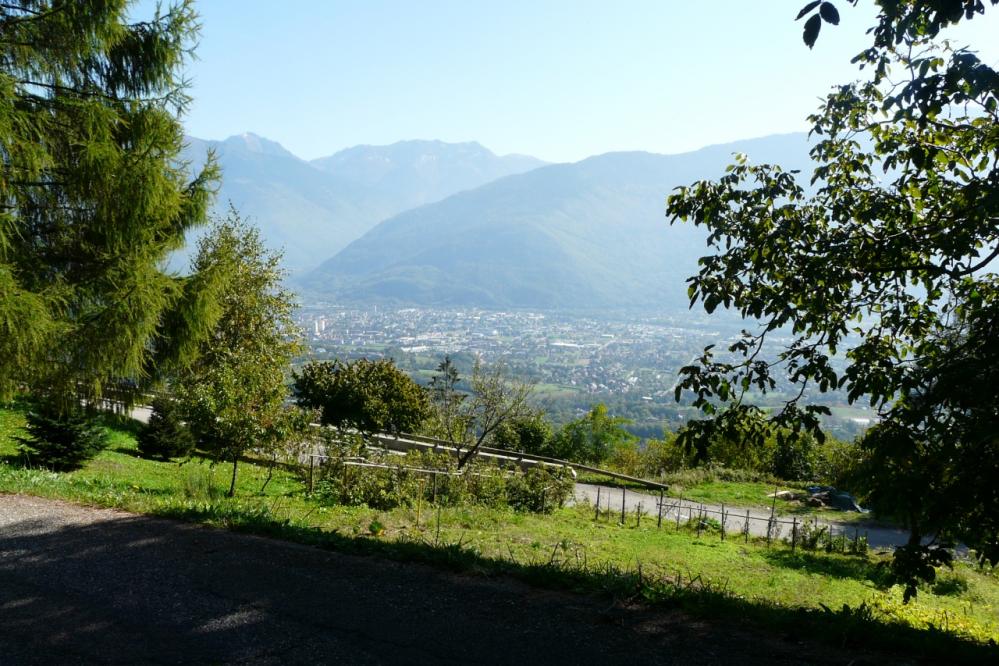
807	8
829	13
811	32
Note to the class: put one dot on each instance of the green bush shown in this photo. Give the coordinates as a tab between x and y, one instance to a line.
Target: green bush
539	490
712	472
166	435
61	438
400	483
837	463
793	458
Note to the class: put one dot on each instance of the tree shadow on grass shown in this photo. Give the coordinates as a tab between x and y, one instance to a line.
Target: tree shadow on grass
855	568
248	601
854	628
120	422
14	459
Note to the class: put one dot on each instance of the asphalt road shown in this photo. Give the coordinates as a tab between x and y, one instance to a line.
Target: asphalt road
85	585
878	536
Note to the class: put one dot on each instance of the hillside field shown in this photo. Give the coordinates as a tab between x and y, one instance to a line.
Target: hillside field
568	548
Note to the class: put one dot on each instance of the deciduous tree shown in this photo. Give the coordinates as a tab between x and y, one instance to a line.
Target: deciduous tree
368	395
495	400
886	265
593	437
234	393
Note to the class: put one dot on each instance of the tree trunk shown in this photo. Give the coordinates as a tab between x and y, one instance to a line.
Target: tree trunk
232	485
270	473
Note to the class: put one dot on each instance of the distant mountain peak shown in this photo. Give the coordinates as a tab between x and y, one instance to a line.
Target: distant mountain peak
428	170
254	143
312	209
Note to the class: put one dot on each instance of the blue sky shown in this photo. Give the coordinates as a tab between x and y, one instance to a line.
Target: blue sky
560	80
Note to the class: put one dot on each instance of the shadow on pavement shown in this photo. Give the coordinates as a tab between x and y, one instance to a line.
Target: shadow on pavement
82	585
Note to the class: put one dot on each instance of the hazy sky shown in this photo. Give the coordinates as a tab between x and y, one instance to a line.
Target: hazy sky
560	80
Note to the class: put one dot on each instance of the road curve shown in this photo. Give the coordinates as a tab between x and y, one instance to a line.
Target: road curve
85	585
878	536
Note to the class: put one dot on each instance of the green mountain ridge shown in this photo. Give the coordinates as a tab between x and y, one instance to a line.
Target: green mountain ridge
591	234
311	210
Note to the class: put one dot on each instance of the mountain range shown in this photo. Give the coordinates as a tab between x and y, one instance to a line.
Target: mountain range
311	210
591	234
452	224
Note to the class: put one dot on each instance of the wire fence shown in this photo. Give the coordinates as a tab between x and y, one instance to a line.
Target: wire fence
807	532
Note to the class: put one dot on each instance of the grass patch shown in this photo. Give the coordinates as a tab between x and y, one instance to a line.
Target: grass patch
567	549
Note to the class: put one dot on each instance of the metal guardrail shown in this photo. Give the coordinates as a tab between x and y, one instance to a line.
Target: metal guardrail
407	442
495	454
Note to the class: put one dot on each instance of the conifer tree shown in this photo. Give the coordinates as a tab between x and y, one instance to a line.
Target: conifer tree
93	196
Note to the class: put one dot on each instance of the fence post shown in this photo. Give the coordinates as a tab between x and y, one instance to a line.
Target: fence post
700	520
723	521
638	518
745	526
596	515
435	488
679	508
312	471
773	510
794	533
419	503
623	491
659	522
544	494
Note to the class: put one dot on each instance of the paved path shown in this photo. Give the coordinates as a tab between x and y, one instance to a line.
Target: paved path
84	585
735	517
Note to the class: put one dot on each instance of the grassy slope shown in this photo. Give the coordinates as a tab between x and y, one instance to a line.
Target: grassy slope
751	576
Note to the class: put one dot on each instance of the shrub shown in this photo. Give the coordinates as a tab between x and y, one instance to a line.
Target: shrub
530	433
61	438
690	477
837	463
540	489
663	456
793	458
166	435
400	484
369	395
